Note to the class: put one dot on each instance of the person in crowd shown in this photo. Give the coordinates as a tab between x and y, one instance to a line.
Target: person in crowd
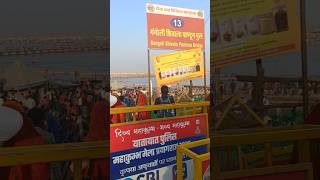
54	126
98	131
165	98
26	136
116	103
125	102
142	100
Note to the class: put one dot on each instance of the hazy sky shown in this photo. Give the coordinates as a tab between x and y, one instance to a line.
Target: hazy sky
128	50
20	17
128	31
128	40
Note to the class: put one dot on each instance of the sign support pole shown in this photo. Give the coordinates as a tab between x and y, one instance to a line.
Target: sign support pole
304	58
205	75
149	78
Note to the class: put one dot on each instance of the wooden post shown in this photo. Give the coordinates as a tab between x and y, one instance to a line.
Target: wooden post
304	151
214	163
77	165
217	83
259	84
190	89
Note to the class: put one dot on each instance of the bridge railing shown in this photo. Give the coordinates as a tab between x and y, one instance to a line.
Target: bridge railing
75	152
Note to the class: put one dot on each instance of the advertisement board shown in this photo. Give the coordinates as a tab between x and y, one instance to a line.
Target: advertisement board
253	29
179	66
174	28
148	148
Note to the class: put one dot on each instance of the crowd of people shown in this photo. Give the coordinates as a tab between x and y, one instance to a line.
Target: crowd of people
138	97
53	115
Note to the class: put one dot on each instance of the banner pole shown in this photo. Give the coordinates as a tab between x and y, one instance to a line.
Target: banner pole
149	78
205	75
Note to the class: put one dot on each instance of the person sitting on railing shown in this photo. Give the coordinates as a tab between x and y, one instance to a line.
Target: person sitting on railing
165	98
26	136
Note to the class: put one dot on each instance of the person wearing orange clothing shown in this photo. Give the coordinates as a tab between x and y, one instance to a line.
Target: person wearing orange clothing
142	101
98	131
116	103
26	136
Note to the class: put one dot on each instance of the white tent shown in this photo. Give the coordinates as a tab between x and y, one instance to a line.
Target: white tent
18	76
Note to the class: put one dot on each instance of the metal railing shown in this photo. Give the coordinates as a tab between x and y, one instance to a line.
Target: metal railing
193	106
75	152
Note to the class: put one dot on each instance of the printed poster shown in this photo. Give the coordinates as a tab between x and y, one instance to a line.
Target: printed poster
253	29
179	66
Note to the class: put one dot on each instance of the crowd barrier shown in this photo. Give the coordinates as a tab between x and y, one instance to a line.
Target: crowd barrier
198	159
75	152
184	110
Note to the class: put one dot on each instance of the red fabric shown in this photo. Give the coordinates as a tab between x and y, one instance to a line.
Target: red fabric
142	101
98	122
118	118
98	131
27	136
